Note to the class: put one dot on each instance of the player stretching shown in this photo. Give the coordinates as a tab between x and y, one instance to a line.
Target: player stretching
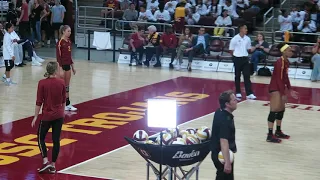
278	88
63	51
52	95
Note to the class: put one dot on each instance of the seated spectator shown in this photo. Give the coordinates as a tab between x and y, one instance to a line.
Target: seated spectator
145	15
202	8
170	6
200	45
185	42
193	17
316	62
162	16
230	7
242	5
168	44
179	17
153	41
222	21
307	25
111	6
296	18
259	50
130	14
153	4
137	41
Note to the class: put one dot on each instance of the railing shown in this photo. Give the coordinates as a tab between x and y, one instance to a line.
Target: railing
295	42
282	2
85	18
233	29
266	21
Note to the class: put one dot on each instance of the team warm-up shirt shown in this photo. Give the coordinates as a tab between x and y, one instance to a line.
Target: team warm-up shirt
52	95
63	52
222	127
280	79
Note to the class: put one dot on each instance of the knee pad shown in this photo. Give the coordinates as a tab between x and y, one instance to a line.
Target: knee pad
8	68
279	115
272	117
67	89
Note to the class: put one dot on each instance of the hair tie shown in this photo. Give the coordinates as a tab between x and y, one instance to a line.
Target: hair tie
284	47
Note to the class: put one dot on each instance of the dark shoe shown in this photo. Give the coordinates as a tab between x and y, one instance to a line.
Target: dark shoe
157	65
273	139
280	134
146	63
171	66
45	167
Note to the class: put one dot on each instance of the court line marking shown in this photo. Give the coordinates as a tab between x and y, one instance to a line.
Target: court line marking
101	155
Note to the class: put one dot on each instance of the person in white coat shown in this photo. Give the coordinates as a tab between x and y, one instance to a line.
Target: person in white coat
8	55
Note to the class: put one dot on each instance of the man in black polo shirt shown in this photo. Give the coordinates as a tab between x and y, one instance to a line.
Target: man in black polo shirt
223	135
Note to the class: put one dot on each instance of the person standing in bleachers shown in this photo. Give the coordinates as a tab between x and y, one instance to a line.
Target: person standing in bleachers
57	16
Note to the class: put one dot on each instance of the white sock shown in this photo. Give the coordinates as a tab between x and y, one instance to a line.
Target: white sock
45	162
8	79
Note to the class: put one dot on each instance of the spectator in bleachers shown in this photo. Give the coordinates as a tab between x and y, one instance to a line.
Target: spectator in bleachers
170	6
180	17
12	16
224	20
200	45
162	16
242	5
285	21
168	44
296	18
153	41
259	50
153	5
45	23
36	21
193	17
114	4
57	17
145	15
202	8
316	62
307	25
137	41
130	14
230	7
185	41
125	4
23	21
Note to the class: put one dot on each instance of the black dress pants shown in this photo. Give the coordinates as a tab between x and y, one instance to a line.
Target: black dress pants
221	175
241	65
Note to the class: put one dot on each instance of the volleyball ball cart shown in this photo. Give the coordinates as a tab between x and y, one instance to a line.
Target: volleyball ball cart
162	113
173	158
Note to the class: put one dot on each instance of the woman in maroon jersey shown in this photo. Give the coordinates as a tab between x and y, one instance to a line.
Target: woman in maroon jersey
51	95
278	88
63	52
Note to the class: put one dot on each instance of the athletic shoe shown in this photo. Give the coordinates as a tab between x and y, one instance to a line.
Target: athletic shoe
7	83
40	60
11	82
238	96
251	96
52	170
280	134
4	79
35	62
70	108
45	167
273	139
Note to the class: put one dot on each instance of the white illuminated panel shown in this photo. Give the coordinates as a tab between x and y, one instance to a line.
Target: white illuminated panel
162	113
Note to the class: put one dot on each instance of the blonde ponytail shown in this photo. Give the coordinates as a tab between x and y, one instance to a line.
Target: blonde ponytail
51	68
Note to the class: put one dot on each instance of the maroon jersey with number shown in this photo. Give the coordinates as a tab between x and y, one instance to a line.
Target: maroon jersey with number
63	52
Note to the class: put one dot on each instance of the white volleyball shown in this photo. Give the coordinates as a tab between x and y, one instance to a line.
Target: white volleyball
183	134
192	139
191	131
203	133
178	141
221	159
166	138
140	136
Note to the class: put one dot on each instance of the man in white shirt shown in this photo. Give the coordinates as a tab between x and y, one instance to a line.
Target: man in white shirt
239	47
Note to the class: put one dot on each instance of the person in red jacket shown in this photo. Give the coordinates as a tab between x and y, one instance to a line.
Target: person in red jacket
278	88
51	96
64	58
168	44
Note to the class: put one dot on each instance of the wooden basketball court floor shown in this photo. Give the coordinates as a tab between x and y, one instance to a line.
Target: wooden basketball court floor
110	98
